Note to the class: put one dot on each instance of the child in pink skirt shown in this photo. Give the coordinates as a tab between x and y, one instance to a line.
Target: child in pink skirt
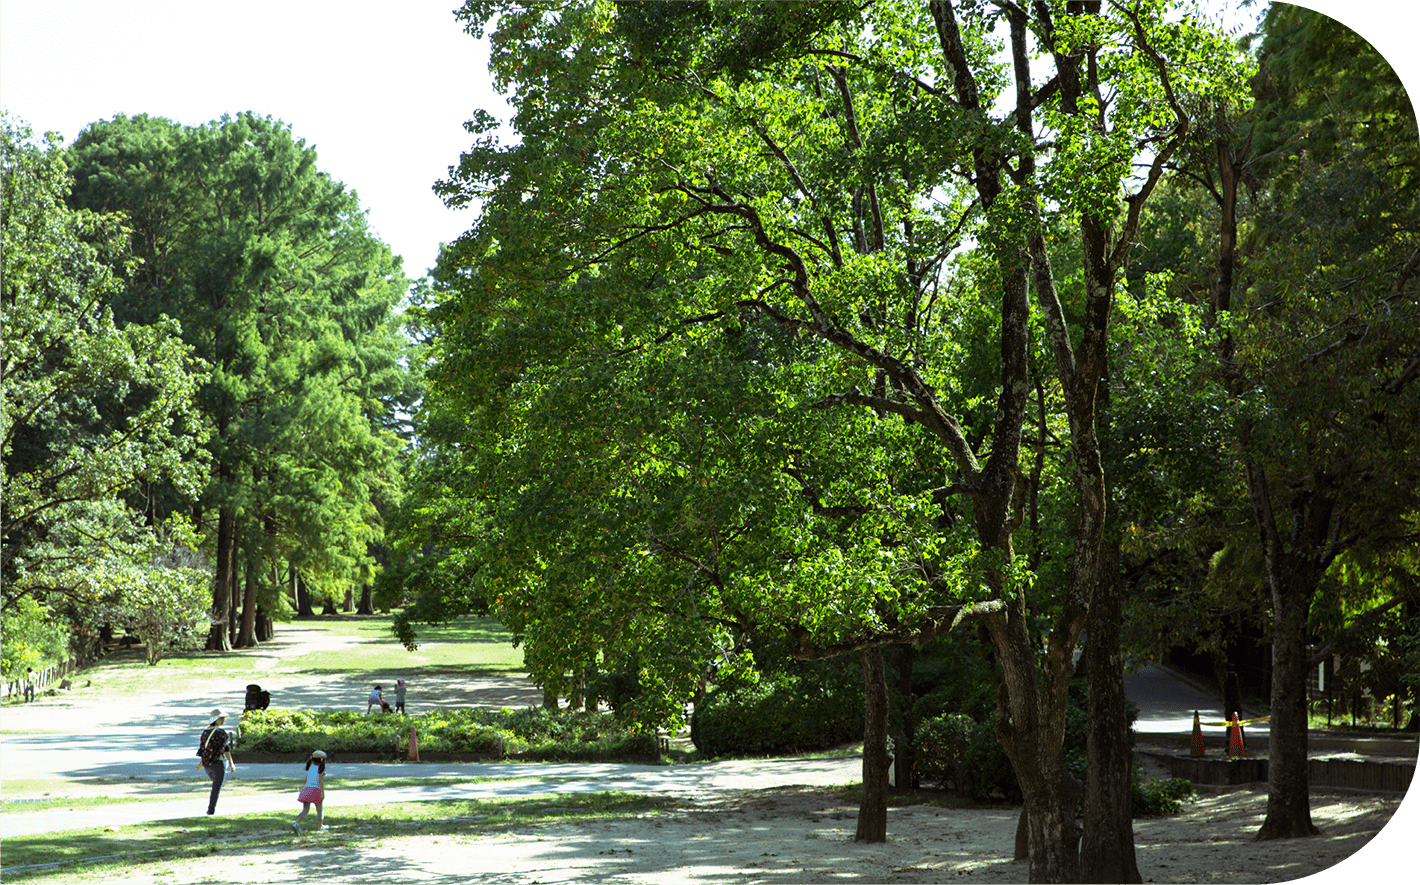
313	793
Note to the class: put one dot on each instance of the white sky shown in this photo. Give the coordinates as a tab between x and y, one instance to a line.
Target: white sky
381	88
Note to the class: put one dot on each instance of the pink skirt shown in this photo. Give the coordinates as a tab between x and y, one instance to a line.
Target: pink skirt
313	795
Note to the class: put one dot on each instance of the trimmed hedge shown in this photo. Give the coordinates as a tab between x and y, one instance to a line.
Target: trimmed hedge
790	715
955	749
533	733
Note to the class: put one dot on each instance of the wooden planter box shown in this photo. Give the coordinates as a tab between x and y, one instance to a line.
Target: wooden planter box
1347	774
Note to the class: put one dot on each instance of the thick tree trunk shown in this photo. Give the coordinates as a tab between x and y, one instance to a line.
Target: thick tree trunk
367	601
1107	848
1288	781
1030	723
872	813
218	638
303	597
905	728
247	636
1053	833
265	627
1293	572
234	613
349	604
1022	836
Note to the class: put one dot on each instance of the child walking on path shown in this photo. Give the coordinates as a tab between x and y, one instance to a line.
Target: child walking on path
313	793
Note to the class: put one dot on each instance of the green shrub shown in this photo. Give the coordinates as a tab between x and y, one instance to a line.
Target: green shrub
942	744
986	772
953	675
1159	797
957	749
533	733
960	748
787	714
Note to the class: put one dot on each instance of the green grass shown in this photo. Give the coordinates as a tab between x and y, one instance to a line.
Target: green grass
150	845
91	795
471	646
467	646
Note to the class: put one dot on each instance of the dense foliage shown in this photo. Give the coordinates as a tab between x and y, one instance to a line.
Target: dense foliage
270	268
788	713
529	734
96	412
741	341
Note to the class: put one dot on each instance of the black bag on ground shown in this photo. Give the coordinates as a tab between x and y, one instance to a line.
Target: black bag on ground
256	698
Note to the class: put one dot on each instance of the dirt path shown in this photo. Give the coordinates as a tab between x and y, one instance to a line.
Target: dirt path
798	835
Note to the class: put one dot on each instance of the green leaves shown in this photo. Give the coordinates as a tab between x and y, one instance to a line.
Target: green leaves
94	411
270	268
742	324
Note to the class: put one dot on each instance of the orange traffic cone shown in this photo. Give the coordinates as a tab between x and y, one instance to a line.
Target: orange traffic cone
1235	739
413	745
1197	748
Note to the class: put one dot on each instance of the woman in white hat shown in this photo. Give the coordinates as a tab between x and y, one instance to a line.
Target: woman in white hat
313	793
212	750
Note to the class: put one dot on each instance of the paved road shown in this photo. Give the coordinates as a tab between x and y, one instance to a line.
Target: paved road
154	738
1167	702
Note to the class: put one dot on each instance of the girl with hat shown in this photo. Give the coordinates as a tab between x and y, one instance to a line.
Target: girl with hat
313	793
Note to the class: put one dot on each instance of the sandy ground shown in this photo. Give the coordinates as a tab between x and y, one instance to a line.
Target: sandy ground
801	835
790	835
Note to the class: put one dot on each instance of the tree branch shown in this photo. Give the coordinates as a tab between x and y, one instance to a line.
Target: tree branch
939	620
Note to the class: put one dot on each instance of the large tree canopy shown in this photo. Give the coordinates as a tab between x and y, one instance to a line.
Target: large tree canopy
741	340
269	266
95	411
1321	345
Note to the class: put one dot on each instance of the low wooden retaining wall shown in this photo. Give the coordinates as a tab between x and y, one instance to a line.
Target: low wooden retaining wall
1348	774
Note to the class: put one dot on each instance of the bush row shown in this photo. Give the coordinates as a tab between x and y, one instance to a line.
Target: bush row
790	714
963	752
532	733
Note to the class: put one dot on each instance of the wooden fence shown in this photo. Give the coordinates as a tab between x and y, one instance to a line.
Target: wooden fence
45	679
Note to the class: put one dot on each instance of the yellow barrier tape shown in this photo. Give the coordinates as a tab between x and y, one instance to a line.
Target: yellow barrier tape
1240	722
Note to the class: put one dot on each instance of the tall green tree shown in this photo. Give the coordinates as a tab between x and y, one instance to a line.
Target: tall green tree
96	412
271	269
1330	344
691	173
1317	301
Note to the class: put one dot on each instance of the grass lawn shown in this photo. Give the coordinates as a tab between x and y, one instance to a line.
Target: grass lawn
469	646
153	844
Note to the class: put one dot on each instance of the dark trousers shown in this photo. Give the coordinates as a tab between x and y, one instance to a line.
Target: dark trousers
218	772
